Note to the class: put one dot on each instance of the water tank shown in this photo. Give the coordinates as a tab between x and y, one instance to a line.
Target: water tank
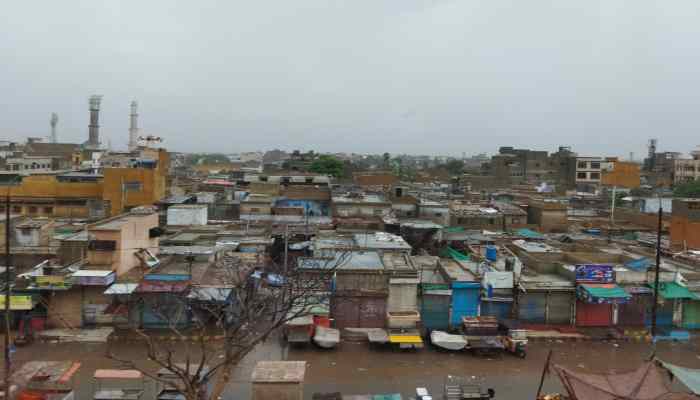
491	253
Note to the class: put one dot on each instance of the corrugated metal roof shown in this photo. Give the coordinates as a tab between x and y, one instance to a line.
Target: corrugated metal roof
162	287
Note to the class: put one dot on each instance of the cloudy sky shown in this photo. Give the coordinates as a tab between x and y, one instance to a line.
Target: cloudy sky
404	76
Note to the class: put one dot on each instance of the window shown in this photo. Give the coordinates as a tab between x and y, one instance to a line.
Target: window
309	179
581	175
17	209
254	209
102	245
595	175
133	186
33	210
582	164
48	210
595	164
378	212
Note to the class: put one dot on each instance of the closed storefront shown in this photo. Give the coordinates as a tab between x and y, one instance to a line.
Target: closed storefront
435	309
590	314
359	311
465	301
499	308
594	306
636	312
532	307
403	294
559	307
672	297
691	314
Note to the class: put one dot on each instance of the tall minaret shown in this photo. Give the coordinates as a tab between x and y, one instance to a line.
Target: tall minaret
54	121
133	126
94	127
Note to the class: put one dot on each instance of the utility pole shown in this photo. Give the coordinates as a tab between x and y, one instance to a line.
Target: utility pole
656	275
8	261
286	246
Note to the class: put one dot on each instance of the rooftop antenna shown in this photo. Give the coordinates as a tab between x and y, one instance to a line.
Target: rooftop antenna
54	122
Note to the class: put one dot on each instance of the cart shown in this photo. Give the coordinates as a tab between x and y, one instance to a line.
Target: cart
485	346
126	384
514	337
460	388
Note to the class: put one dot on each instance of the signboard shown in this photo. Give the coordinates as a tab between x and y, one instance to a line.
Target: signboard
51	281
17	302
594	273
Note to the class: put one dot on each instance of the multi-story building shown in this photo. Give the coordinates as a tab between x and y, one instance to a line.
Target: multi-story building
588	173
622	174
88	195
687	170
685	224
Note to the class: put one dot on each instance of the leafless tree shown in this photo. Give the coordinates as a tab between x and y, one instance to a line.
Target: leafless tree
230	320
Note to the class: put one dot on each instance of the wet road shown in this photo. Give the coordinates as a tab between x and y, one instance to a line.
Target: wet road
355	369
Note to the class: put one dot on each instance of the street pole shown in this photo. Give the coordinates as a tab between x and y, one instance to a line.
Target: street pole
286	246
7	294
656	275
545	369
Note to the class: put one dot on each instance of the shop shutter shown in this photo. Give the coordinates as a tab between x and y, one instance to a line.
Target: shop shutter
634	312
372	312
559	308
435	309
588	314
531	307
498	309
691	314
465	301
345	311
664	314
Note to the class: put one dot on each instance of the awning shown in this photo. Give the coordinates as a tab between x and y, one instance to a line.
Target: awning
607	293
688	376
121	288
17	303
672	290
405	339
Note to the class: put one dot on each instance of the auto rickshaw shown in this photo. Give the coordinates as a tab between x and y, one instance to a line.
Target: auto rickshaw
514	338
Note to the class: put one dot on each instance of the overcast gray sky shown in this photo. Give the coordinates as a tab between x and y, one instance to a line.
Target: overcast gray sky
413	76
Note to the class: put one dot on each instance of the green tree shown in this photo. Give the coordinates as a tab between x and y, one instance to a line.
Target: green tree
690	189
455	167
386	158
328	165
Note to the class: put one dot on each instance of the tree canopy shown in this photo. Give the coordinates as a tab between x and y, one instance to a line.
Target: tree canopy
455	167
690	189
329	165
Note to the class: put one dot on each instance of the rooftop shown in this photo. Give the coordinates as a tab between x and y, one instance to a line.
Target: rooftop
359	198
348	260
381	240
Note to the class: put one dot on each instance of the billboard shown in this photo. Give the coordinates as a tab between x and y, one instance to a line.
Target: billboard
594	273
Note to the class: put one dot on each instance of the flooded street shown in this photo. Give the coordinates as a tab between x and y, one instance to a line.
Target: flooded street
354	368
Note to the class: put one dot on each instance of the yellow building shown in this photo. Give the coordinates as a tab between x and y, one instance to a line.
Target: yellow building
83	195
623	174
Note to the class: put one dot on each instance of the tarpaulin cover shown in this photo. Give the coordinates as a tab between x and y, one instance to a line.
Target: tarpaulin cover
672	290
456	255
688	376
639	264
529	233
644	383
603	293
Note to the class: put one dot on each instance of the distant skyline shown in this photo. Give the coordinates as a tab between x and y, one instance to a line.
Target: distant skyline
437	77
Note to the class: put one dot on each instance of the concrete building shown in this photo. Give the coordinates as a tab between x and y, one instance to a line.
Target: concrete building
621	174
188	214
360	205
120	243
687	170
685	224
29	165
588	173
549	216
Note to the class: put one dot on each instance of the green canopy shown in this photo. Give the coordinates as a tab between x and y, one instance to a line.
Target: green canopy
688	376
605	291
456	255
672	290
